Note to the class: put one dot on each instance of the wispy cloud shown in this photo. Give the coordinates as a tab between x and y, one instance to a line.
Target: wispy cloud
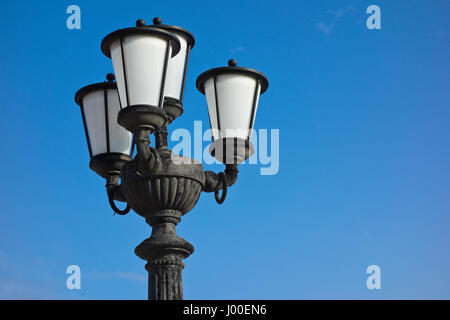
238	49
131	276
325	28
20	290
341	12
327	25
119	275
14	282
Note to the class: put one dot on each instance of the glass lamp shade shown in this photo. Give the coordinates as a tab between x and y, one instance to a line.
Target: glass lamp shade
232	94
176	70
140	58
109	144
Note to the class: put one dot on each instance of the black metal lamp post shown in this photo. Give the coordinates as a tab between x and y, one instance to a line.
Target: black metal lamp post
157	184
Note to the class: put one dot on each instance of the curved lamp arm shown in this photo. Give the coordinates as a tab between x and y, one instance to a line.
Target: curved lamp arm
161	138
147	158
147	161
215	182
114	193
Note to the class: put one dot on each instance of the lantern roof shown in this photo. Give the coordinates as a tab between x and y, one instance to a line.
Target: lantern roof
141	29
232	68
157	22
110	84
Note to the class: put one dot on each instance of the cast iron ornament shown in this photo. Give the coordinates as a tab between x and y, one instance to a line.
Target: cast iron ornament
162	187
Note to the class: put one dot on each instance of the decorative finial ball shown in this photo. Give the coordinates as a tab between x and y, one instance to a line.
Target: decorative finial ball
140	23
157	20
232	63
110	77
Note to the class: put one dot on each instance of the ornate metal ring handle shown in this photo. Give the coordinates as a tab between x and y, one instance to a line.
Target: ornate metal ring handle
113	205
223	178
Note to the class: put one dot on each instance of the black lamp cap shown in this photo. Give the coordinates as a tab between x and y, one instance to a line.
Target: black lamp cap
141	28
140	23
157	23
232	63
82	92
232	68
110	77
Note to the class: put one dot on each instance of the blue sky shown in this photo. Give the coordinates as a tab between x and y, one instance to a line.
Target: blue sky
364	153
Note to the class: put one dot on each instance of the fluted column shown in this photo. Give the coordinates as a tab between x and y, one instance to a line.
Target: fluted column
164	252
165	280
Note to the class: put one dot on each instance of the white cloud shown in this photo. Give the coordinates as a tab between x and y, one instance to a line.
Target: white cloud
139	277
325	28
131	276
341	12
327	25
238	49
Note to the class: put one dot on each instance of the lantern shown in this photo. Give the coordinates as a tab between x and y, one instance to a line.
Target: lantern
176	70
232	94
109	144
140	56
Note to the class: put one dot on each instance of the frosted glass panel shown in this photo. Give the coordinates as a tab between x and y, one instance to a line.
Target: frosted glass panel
212	110
119	138
144	58
116	57
256	109
235	93
94	111
175	71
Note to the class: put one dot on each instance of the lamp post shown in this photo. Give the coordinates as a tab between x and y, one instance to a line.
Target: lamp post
150	64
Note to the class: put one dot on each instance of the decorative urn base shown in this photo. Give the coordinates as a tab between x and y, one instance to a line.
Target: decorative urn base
171	190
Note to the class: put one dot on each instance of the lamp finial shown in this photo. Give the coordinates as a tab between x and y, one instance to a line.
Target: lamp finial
140	23
110	77
232	63
157	20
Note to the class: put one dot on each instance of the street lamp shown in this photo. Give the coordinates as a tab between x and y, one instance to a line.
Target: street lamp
150	63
